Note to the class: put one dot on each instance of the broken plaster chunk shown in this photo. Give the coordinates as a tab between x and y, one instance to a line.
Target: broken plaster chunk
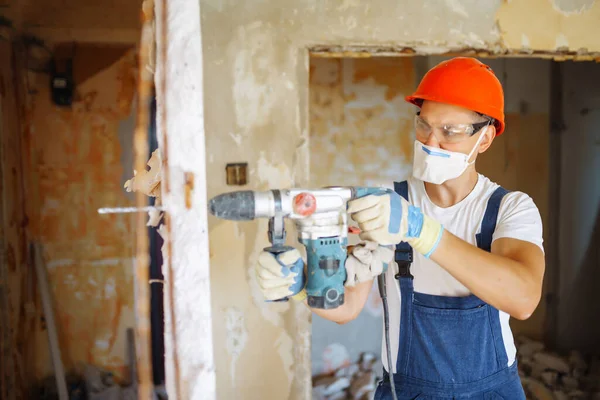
550	378
560	395
577	361
577	395
147	181
570	382
318	393
550	361
525	365
337	396
529	348
364	384
537	370
154	216
340	385
367	361
348	371
111	393
537	389
93	379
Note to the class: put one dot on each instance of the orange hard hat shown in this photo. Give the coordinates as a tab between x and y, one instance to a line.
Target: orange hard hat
464	82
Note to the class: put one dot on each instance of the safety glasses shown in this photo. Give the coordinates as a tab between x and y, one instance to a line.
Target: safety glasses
447	133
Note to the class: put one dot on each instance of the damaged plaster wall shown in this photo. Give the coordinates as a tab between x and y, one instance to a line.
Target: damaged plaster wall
360	134
256	55
76	161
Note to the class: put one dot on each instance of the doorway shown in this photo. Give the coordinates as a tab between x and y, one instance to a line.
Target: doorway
361	134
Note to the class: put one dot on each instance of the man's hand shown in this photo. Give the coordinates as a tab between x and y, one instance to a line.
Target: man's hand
389	219
281	276
366	261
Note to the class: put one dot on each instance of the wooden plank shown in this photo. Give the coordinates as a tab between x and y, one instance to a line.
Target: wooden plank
189	361
13	223
142	258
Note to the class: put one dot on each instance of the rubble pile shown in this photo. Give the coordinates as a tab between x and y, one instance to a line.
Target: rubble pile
101	385
356	381
546	375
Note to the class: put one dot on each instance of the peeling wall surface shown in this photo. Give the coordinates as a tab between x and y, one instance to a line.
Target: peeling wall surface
76	161
360	125
360	134
256	58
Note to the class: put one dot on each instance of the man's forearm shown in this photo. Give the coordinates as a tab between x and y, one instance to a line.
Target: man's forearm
354	300
508	285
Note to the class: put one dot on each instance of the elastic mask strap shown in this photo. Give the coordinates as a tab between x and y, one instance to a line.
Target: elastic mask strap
484	131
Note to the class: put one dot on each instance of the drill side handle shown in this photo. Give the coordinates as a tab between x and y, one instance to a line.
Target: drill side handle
277	249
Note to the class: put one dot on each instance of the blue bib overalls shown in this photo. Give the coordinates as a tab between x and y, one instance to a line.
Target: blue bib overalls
450	347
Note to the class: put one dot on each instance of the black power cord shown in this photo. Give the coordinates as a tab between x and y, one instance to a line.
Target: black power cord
386	322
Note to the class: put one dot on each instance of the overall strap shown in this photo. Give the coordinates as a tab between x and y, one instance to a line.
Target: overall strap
488	224
404	253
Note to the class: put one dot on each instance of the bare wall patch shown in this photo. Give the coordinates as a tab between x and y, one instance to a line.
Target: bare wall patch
569	7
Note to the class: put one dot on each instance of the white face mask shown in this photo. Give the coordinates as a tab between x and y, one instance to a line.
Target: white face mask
435	165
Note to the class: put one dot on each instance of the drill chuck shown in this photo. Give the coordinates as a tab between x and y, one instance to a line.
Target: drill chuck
234	206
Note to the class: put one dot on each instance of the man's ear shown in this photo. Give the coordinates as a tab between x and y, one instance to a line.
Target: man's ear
489	136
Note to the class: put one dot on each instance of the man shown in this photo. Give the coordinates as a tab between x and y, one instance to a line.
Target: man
477	250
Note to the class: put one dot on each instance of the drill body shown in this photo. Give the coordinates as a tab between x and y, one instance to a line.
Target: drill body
322	224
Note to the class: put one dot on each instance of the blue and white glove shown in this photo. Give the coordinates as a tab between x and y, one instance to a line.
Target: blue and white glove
281	276
389	219
366	261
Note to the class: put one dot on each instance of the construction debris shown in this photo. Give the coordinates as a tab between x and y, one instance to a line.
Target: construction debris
547	375
355	381
147	181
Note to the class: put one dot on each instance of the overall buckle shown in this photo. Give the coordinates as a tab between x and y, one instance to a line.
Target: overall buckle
403	270
404	259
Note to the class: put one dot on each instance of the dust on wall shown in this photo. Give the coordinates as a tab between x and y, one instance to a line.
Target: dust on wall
76	161
257	58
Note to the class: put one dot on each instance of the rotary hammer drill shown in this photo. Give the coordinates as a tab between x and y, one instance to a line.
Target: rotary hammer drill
321	218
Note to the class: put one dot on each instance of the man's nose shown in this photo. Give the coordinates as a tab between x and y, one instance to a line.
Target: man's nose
432	140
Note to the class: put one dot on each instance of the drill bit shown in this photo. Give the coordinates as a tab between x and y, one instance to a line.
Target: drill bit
122	210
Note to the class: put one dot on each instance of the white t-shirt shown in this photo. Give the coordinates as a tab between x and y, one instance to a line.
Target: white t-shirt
518	218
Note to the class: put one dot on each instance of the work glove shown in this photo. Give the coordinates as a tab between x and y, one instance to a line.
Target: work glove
389	219
281	276
365	261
